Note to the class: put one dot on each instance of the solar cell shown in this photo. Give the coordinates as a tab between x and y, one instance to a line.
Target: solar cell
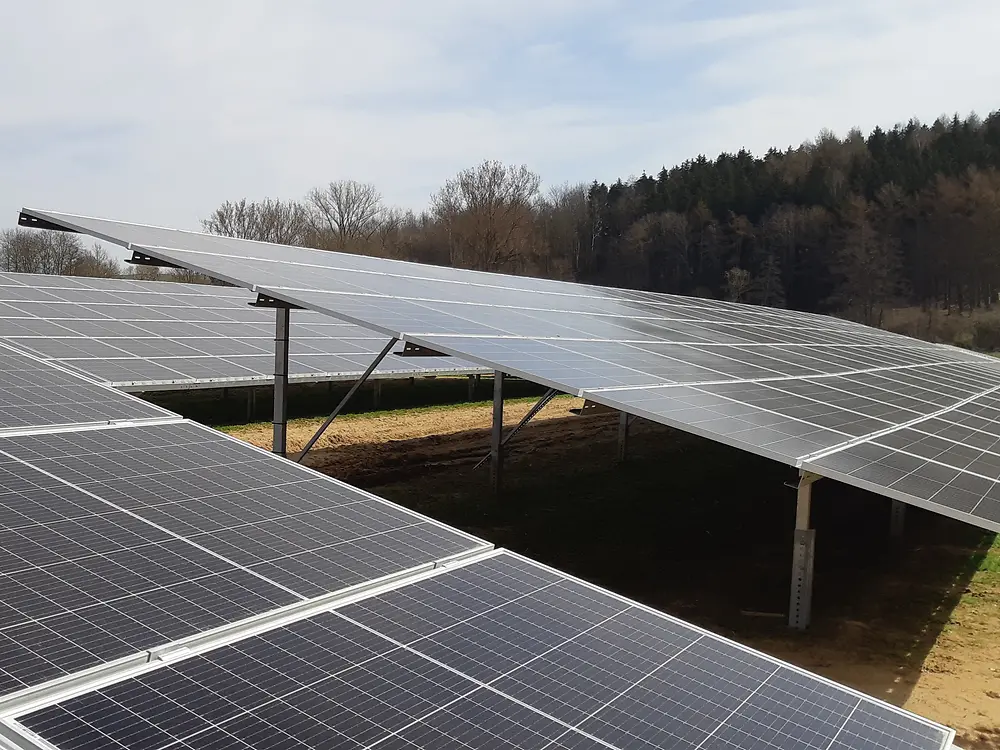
498	653
83	581
276	519
35	394
141	335
791	386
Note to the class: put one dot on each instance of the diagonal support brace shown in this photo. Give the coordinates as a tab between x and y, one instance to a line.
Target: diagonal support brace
549	395
343	402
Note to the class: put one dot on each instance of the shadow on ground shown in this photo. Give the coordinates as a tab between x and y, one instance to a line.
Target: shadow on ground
699	530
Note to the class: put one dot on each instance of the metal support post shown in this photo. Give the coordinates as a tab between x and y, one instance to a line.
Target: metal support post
282	317
496	444
623	423
897	519
803	556
539	405
376	394
473	380
251	403
347	397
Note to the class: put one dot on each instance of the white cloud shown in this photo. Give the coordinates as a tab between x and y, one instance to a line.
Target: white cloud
119	109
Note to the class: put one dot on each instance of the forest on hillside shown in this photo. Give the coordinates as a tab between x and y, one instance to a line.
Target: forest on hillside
852	225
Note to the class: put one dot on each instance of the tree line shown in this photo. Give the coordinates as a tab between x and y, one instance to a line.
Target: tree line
846	225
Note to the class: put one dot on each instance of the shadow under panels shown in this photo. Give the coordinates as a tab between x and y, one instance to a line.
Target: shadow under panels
121	539
496	653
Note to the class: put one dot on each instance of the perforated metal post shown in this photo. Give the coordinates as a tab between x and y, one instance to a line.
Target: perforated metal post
803	556
251	403
376	394
623	423
472	387
897	519
282	316
496	439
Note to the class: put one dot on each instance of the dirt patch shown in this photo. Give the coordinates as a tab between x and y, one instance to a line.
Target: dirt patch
704	532
383	447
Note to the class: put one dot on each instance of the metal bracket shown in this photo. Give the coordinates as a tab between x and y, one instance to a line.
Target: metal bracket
808	477
266	300
415	350
539	405
592	408
144	259
26	220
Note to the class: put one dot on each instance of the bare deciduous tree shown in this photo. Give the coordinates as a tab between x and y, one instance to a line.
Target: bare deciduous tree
738	284
564	229
488	215
269	220
344	213
32	251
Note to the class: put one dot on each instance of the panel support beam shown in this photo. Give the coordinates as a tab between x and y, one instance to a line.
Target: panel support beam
282	316
897	519
251	403
496	441
347	397
623	424
803	555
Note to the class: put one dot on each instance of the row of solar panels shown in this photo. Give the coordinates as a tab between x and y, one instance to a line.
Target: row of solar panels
164	585
151	335
915	421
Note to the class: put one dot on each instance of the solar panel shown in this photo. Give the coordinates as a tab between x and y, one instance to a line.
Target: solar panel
808	390
116	540
304	530
83	582
498	653
141	335
35	394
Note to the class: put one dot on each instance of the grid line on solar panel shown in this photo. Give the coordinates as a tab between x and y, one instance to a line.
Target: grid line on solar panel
147	349
160	502
901	425
581	668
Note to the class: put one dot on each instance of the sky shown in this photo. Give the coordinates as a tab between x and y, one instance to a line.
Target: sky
158	113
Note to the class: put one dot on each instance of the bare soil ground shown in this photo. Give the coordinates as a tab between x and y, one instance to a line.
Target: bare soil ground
704	532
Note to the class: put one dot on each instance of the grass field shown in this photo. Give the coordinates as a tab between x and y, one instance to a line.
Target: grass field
704	532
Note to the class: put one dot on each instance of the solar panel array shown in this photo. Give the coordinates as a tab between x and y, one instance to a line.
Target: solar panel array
121	539
164	585
152	335
498	653
912	420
